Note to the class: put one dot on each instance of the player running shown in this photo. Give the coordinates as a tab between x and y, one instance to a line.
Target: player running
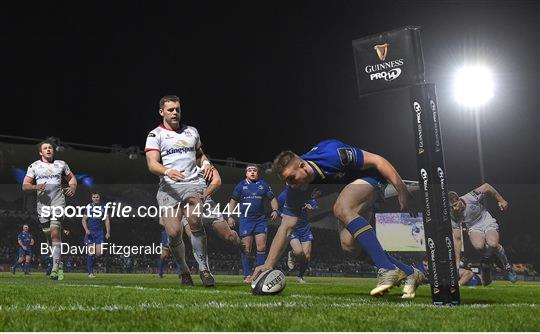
251	193
300	239
172	151
45	176
25	241
92	222
482	228
331	163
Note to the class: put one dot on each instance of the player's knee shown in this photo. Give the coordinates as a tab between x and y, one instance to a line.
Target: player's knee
494	244
307	256
343	212
261	248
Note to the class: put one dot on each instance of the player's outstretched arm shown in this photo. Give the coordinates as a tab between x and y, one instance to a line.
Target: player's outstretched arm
390	173
487	188
279	244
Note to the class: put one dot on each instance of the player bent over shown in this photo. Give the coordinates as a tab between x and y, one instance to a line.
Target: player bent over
172	151
45	176
92	222
25	241
483	228
300	239
365	174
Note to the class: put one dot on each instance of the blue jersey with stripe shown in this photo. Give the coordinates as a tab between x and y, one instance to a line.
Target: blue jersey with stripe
25	238
250	196
334	163
95	214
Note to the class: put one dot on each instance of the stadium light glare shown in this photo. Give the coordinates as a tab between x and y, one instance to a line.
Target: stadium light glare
473	86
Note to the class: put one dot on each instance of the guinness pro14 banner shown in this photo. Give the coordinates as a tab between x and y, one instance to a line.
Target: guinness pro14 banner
389	60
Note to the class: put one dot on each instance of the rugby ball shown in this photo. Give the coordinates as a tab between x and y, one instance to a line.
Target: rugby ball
270	282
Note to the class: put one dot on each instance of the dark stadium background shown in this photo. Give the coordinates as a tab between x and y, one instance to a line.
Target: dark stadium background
256	79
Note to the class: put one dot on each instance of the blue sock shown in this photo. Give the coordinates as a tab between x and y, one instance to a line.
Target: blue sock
26	268
406	268
246	270
365	236
90	264
161	266
261	258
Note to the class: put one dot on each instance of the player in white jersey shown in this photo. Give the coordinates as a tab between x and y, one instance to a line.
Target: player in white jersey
483	229
45	176
172	152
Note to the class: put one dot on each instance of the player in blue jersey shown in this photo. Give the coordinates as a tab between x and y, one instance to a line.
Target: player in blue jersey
25	241
251	194
92	223
300	239
360	177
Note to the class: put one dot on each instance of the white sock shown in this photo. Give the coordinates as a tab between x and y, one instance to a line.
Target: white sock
178	251
56	254
198	243
501	254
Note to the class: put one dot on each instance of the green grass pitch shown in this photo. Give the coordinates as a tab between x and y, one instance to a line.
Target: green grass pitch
139	302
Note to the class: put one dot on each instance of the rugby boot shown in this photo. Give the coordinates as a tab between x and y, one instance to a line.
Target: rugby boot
387	278
411	284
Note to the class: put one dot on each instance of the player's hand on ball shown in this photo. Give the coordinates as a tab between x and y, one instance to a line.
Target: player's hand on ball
231	222
260	269
503	205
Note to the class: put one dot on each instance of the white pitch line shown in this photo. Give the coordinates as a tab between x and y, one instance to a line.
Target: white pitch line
222	305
